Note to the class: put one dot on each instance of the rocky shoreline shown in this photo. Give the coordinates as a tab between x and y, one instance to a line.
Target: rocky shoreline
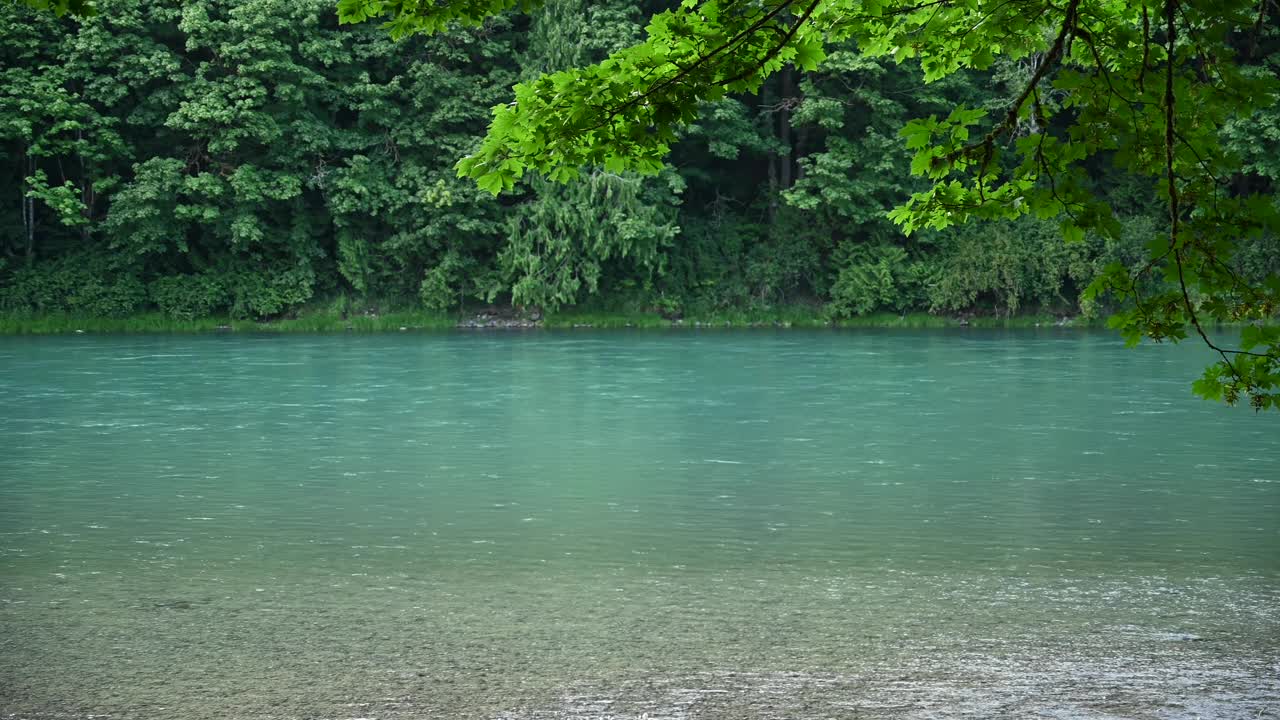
510	320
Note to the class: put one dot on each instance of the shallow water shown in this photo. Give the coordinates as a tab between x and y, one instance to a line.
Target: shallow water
610	525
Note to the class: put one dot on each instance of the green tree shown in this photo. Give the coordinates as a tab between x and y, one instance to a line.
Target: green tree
79	8
240	157
563	238
405	226
66	148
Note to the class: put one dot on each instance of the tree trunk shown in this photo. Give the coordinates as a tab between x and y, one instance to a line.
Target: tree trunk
86	188
28	206
767	99
786	162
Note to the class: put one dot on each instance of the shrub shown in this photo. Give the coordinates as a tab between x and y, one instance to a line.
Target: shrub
188	297
81	284
268	291
876	277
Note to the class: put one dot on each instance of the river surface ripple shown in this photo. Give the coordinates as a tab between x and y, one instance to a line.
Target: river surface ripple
544	526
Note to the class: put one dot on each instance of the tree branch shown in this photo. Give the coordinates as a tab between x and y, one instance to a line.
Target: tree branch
1050	58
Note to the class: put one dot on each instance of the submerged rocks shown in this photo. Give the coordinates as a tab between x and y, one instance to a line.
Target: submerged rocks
492	323
502	318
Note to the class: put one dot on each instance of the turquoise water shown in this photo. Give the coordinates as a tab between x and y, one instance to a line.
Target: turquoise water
611	525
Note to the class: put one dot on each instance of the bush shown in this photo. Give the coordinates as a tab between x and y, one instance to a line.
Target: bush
876	277
267	291
782	266
188	297
79	284
1005	266
437	291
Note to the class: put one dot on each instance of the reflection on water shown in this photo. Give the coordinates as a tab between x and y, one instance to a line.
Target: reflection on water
530	525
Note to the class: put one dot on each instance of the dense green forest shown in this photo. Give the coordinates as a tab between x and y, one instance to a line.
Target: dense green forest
253	158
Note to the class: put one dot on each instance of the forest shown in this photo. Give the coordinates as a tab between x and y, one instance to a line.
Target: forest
253	159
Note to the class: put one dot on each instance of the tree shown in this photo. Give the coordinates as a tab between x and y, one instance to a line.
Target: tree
223	157
78	8
1145	86
563	237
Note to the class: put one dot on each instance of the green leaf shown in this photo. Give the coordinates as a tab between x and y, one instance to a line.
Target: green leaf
1071	232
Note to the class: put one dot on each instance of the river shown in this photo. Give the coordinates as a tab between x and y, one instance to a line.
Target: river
648	525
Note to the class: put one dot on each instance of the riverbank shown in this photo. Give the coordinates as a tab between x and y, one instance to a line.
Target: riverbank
56	324
498	318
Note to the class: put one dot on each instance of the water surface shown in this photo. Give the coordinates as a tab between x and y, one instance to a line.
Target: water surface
611	525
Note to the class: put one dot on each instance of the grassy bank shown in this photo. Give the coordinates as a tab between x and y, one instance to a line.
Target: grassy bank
328	321
801	317
318	322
